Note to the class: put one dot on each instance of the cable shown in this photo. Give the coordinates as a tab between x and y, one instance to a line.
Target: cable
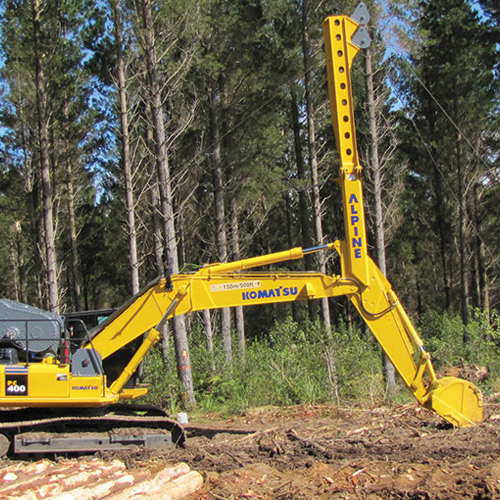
450	119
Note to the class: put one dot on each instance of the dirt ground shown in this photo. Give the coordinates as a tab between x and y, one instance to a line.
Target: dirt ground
326	452
322	451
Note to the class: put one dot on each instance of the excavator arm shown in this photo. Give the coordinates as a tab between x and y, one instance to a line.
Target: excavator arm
456	400
213	287
232	284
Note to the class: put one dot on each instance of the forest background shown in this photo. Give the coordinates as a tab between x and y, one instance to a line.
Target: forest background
143	137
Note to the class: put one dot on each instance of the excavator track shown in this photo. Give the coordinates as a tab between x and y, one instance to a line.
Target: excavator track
120	427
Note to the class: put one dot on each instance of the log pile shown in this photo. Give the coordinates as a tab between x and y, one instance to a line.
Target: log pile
94	479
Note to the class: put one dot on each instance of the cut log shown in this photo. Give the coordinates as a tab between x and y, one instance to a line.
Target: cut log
85	477
144	489
28	480
29	495
4	445
104	489
57	478
12	473
177	489
96	480
101	490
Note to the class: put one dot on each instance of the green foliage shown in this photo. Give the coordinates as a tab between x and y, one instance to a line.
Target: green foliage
446	84
160	373
288	367
284	369
443	338
451	343
359	365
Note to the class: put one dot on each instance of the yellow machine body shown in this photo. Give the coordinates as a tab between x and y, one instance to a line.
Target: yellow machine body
52	384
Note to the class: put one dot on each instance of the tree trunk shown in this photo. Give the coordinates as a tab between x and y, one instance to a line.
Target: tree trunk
462	231
238	310
49	238
75	260
125	146
75	284
154	194
36	234
439	204
220	216
303	202
209	338
482	277
291	243
313	159
17	249
166	199
389	372
15	267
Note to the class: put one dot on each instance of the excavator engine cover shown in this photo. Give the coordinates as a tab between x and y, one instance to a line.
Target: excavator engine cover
29	329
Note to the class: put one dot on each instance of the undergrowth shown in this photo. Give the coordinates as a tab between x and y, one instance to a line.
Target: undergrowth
289	366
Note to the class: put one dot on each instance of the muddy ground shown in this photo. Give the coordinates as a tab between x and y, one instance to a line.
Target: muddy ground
323	451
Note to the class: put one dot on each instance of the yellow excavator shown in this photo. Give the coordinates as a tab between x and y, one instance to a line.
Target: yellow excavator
53	382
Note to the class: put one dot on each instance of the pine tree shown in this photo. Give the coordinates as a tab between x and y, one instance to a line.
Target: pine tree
451	83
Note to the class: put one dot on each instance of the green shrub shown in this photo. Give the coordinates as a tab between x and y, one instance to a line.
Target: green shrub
443	338
451	343
284	369
359	364
288	366
161	374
